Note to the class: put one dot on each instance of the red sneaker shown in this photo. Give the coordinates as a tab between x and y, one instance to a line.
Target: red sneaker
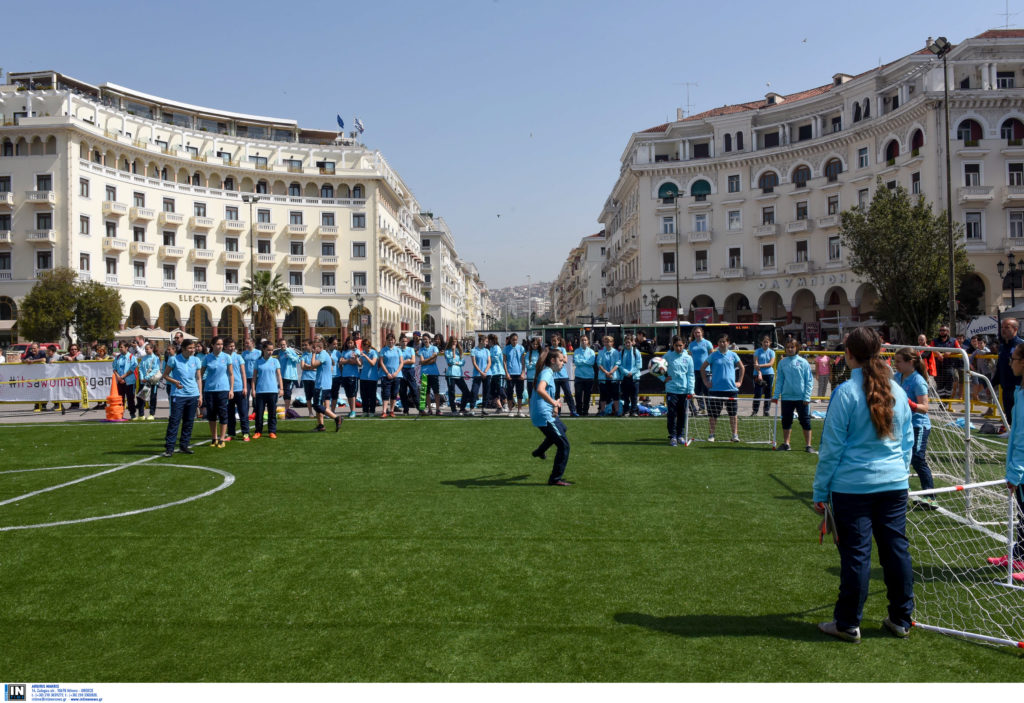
273	436
257	435
245	438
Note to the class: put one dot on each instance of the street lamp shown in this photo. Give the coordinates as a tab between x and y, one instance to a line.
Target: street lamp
675	263
1012	260
941	47
252	199
654	303
359	300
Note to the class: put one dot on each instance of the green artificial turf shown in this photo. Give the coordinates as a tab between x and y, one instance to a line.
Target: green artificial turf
432	550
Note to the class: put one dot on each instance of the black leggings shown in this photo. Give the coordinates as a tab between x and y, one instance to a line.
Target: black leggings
584	387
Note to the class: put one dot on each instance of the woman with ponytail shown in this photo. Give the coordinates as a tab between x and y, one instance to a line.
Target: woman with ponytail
866	446
544	414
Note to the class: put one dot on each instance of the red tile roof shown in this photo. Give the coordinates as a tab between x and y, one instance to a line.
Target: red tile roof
1002	34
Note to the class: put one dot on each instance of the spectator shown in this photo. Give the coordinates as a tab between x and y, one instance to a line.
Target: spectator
1004	373
699	349
822	367
946	365
34	355
644	345
982	366
929	361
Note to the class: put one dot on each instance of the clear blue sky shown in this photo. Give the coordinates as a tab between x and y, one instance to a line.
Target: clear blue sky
519	109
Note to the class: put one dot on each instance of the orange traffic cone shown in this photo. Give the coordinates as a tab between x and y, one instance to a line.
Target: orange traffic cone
115	404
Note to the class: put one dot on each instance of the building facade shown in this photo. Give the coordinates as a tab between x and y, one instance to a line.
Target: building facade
444	281
177	205
734	213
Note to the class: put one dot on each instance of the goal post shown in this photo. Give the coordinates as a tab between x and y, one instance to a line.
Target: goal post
753	427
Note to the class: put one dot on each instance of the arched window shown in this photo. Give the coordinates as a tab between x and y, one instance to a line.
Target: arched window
327	191
261	187
294	190
892	150
917	141
229	183
197	180
867	108
357	192
1012	130
856	112
668	192
768	181
968	131
832	170
801	174
739	141
728	142
700	190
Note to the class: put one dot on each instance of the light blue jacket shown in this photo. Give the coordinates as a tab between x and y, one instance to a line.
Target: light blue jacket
852	459
609	360
680	373
631	363
794	380
583	360
1015	447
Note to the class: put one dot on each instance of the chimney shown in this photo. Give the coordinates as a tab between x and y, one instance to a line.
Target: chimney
679	114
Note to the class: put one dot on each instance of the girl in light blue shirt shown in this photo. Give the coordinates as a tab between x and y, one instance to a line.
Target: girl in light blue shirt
678	385
794	387
584	360
1015	469
911	375
453	375
631	364
608	360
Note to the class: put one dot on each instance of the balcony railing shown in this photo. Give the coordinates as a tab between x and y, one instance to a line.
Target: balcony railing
167	252
41	236
232	287
769	230
798	267
111	279
734	272
297	231
328	290
115	244
171	218
828	221
200	222
41	197
266	227
171	284
112	208
265	260
1012	195
142	248
199	285
702	236
6	199
975	194
141	213
233	225
798	226
202	254
328	230
235	257
328	260
666	238
6	237
297	259
297	290
139	282
84	276
6	275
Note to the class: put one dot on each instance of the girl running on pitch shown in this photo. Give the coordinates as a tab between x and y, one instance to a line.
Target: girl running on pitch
544	415
794	387
678	385
911	376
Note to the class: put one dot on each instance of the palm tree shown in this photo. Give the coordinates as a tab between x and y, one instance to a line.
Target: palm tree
270	296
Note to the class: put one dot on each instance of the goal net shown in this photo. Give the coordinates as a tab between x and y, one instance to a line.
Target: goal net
957	527
753	425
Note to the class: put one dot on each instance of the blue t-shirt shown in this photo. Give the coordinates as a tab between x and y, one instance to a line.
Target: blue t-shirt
765	356
335	366
699	351
324	371
147	365
454	359
531	357
392	357
609	359
240	370
425	353
540	409
408	355
514	359
680	372
583	359
723	370
289	360
497	361
215	372
184	371
266	375
564	373
250	358
915	386
369	370
481	355
308	374
124	365
350	370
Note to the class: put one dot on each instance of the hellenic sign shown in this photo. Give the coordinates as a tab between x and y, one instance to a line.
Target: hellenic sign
803	281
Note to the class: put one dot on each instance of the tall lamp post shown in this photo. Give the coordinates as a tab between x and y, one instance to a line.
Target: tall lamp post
654	298
359	300
675	262
1012	273
252	199
941	47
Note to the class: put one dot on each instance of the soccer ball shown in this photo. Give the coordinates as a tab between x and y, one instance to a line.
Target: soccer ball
658	368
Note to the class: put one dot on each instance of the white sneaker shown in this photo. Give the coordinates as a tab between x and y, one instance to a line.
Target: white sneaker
150	417
735	438
711	439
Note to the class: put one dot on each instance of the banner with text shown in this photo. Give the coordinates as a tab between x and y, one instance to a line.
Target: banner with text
58	382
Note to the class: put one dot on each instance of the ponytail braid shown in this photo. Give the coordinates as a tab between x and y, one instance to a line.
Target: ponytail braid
865	346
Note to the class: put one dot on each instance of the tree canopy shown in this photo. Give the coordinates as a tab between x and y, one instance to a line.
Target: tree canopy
270	296
59	302
901	248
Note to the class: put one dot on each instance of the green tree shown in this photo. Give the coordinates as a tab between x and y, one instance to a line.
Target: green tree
901	248
270	295
48	310
97	311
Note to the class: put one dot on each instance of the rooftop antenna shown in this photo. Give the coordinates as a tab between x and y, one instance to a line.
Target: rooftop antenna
1007	15
689	105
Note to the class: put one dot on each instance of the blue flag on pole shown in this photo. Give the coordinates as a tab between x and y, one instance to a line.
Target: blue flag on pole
341	122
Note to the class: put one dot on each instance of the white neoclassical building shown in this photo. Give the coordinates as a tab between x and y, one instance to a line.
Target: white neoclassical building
445	282
738	207
175	205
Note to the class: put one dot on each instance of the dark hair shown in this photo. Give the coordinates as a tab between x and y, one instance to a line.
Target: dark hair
914	356
865	346
267	345
677	339
547	358
214	340
725	337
